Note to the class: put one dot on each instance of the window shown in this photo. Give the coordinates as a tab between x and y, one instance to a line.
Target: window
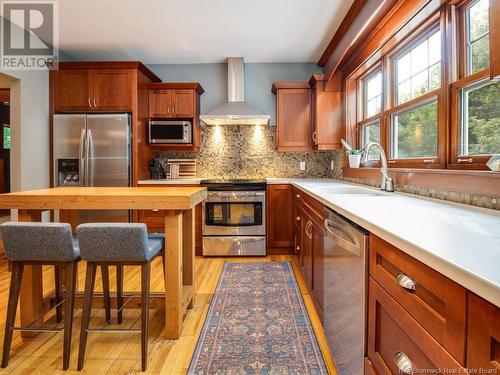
418	71
371	133
480	119
477	30
425	95
414	132
372	95
6	136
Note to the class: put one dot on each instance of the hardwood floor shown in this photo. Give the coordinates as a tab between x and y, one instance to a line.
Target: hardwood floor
120	353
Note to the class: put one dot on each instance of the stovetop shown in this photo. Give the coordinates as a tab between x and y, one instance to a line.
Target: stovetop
234	184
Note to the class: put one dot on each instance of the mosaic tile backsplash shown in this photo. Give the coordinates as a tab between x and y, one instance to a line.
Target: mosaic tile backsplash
243	151
473	200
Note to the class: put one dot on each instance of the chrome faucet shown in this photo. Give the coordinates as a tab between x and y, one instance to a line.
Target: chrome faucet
386	183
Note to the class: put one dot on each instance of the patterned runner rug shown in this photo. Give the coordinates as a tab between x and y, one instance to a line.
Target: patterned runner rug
257	323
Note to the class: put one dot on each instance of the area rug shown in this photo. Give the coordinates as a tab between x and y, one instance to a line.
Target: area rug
257	323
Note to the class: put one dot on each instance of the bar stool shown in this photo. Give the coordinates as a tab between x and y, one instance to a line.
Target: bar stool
117	244
40	244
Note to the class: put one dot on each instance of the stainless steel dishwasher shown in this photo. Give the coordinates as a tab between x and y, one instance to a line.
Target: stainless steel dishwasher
345	288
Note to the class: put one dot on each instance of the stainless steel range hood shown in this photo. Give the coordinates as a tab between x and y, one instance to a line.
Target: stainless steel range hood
236	111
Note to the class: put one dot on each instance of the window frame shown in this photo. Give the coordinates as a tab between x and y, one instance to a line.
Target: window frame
465	80
360	119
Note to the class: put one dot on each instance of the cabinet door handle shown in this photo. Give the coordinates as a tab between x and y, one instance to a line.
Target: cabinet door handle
90	103
168	109
297	196
173	110
406	281
403	363
95	105
461	160
314	138
298	218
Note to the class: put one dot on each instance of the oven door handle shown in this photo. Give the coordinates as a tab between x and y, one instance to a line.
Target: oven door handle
235	194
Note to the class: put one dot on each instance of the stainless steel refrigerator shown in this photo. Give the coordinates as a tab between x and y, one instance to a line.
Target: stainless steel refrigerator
93	150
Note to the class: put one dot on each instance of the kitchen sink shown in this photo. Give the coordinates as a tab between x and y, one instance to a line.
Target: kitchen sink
354	190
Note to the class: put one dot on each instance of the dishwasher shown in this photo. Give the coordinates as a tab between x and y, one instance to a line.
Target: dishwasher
345	288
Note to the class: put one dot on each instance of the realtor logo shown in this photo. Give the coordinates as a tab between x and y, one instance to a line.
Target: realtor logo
29	37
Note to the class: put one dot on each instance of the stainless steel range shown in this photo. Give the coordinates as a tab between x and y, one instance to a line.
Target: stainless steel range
234	218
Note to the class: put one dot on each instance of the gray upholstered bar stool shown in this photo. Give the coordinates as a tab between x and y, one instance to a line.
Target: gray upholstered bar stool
117	244
40	244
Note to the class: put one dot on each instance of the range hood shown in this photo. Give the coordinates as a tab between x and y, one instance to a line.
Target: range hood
236	111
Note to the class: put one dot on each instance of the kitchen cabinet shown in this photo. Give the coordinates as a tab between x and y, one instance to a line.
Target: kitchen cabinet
112	89
73	89
397	343
92	89
171	103
327	126
483	335
308	241
437	303
293	116
279	219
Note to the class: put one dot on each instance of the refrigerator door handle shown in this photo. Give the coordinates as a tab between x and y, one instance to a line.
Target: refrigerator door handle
89	170
81	162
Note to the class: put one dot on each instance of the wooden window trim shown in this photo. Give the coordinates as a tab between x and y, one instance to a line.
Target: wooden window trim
478	162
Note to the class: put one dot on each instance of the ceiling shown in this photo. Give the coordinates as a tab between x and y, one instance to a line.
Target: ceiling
199	31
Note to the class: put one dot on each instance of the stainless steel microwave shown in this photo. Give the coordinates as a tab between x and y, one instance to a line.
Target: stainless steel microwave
170	131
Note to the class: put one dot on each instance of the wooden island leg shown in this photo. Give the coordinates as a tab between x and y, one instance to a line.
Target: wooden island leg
173	274
188	258
31	296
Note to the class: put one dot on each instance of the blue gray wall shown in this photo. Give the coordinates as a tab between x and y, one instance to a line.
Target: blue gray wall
259	78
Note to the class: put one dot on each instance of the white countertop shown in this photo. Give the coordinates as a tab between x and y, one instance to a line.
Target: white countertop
171	181
461	242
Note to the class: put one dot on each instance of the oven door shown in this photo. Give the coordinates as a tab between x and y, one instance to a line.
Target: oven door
234	213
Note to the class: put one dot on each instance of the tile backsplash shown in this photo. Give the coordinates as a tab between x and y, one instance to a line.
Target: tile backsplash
244	151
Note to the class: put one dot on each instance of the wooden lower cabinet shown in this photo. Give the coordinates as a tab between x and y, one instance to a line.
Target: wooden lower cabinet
395	337
483	336
318	257
280	226
307	248
437	303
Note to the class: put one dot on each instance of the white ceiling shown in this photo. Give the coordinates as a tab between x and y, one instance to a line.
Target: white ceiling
199	31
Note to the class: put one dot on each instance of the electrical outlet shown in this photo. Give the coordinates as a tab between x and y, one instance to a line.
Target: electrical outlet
302	165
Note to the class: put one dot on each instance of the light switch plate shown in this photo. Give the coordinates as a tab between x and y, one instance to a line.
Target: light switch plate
302	165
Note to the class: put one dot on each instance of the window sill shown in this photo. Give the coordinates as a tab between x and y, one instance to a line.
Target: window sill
484	183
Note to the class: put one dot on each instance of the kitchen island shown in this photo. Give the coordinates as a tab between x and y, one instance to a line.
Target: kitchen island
178	204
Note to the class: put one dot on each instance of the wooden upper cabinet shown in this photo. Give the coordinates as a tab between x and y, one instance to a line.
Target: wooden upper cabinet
113	89
182	102
72	89
174	100
293	116
483	336
327	126
159	103
279	216
81	86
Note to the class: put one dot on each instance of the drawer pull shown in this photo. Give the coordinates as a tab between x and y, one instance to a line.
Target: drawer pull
297	196
298	218
406	281
403	363
155	210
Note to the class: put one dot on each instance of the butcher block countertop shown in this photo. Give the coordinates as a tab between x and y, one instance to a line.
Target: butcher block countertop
104	198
